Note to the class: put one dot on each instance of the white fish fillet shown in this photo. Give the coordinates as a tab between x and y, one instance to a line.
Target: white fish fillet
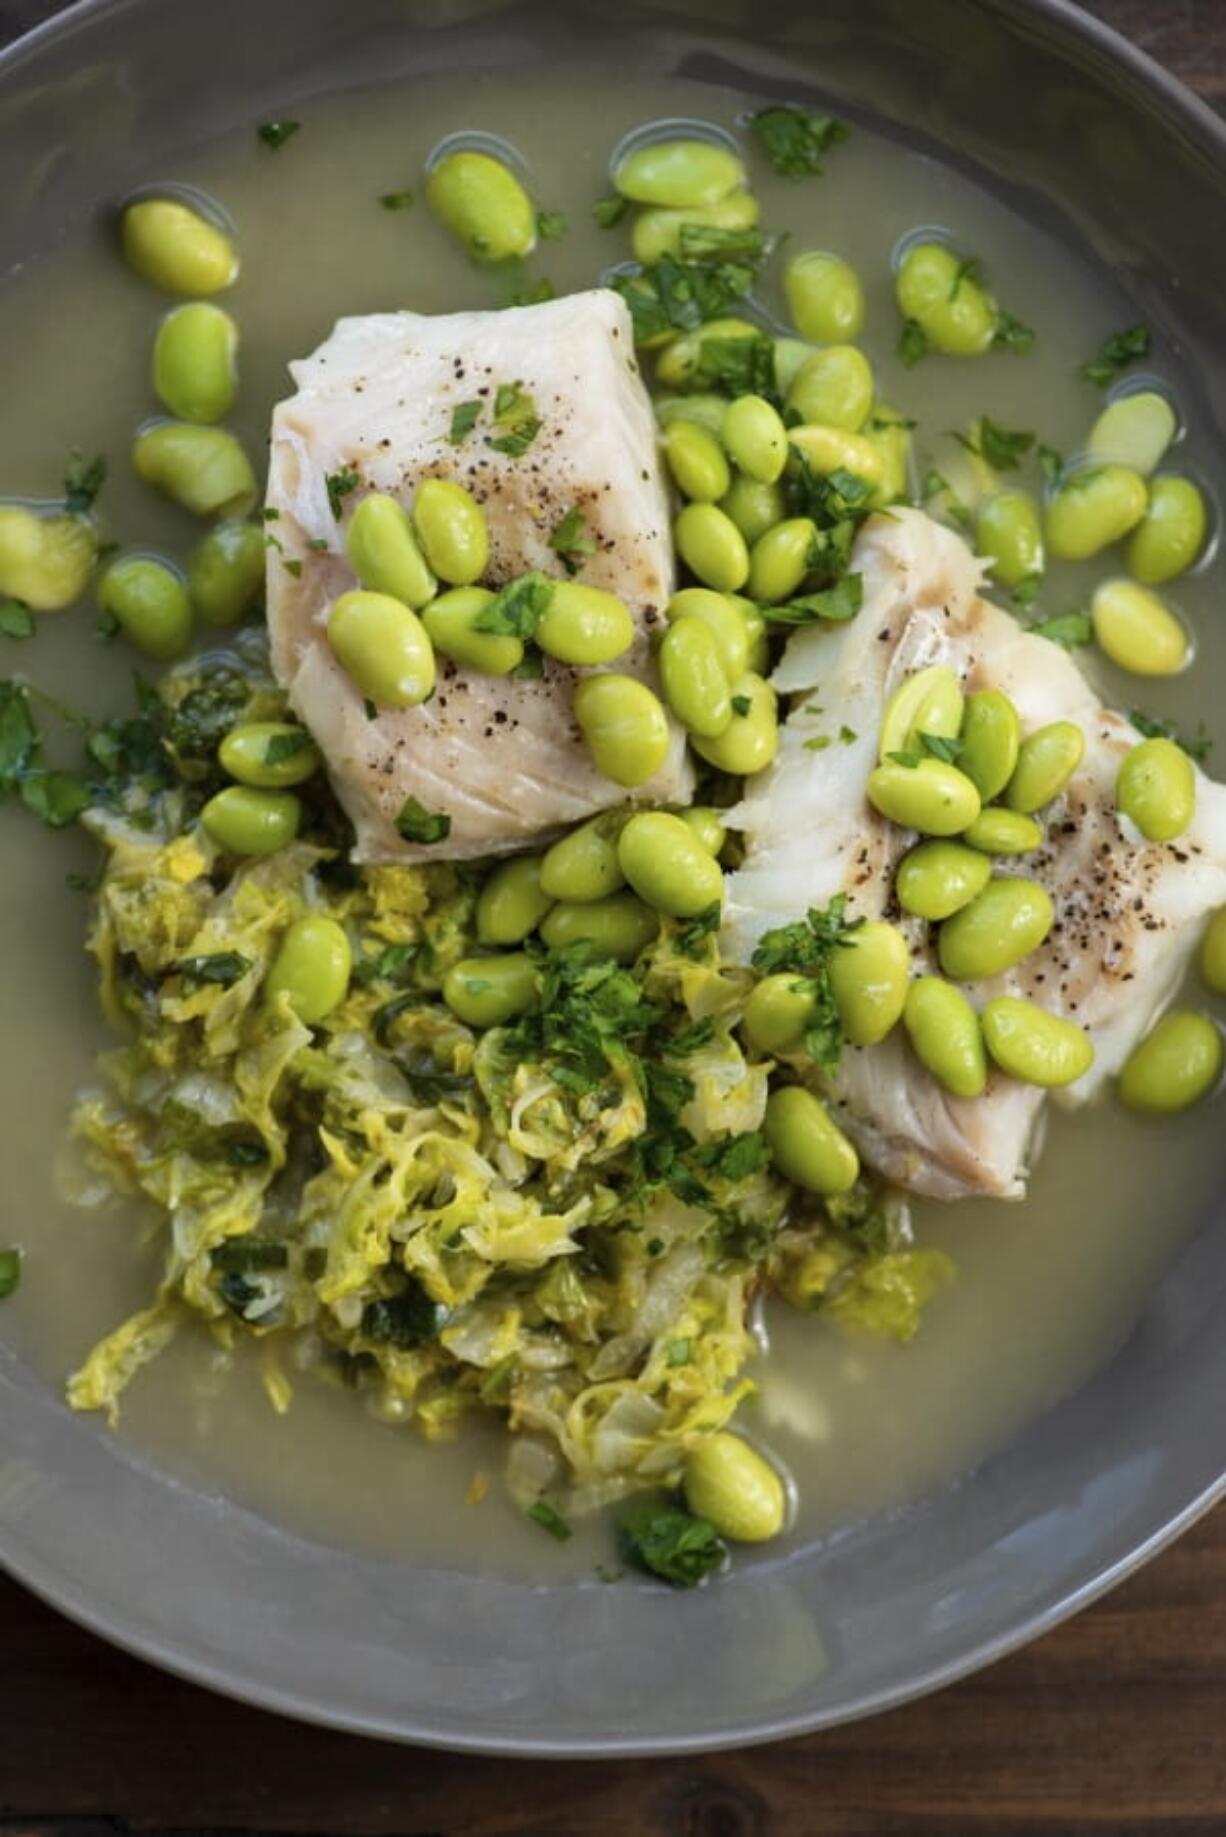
1128	912
502	757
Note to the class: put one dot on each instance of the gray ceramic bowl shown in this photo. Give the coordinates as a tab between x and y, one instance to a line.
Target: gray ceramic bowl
1053	111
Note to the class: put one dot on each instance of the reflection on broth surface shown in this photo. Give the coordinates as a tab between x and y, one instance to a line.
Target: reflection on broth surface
1045	1290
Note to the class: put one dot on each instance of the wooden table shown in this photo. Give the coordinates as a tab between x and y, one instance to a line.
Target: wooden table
1116	1723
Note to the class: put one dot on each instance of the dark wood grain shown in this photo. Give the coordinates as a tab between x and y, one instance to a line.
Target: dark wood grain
1114	1724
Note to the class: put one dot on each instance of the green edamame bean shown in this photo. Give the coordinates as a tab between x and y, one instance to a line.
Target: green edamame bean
1003	832
955	313
1137	630
45	562
584	625
697	462
149	601
1175	1066
451	530
384	555
723	620
667	866
269	754
869	973
485	207
693	679
753	506
890	434
834	449
678	362
825	298
1009	531
1133	431
1046	760
1170	535
707	410
583	866
834	388
730	1485
512	902
781	559
194	362
936	879
1093	509
1213	953
807	1147
755	438
1000	926
991	740
661	231
450	622
1156	788
489	991
778	1011
791	355
750	740
245	821
1034	1045
928	702
712	547
384	648
945	1036
202	468
312	968
934	798
707	825
679	174
619	927
175	248
995	930
225	576
625	727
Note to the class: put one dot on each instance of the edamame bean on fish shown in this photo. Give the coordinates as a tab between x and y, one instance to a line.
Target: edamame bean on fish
625	727
384	554
451	530
584	625
384	647
451	622
751	738
720	614
693	679
946	1036
1156	788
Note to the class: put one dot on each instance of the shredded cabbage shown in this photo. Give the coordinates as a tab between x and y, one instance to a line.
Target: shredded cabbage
561	1221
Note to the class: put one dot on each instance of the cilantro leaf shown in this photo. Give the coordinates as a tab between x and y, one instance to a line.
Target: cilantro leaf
516	609
1011	335
339	485
805	948
1116	353
945	747
16	620
741	705
738	366
396	200
283	746
514	410
796	142
222	967
1051	464
417	824
1197	748
274	134
679	296
10	1272
609	211
18	734
1004	448
1070	630
550	225
542	1513
464	417
57	797
912	343
703	242
671	1543
532	293
834	605
570	541
83	480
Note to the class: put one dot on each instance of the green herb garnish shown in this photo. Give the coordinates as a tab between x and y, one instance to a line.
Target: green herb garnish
570	541
516	609
16	620
550	225
1153	728
274	134
417	824
609	211
1070	630
912	343
10	1272
670	1543
738	366
542	1513
1011	335
464	417
1117	352
281	747
247	1256
805	948
223	968
515	411
405	1320
396	200
339	485
1003	448
83	480
741	705
795	142
833	606
945	747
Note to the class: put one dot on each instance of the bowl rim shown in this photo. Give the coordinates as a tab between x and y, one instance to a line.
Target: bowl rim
1073	33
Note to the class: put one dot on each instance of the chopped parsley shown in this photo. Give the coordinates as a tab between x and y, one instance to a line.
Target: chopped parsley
396	200
16	620
384	965
1011	335
542	1513
912	343
1198	748
339	485
1051	464
405	1320
1070	630
515	411
741	704
738	366
837	504
608	212
57	797
935	485
464	417
1026	591
804	948
223	968
1116	353
680	296
283	746
796	142
10	1272
292	566
83	480
834	605
417	824
516	609
533	293
671	1543
274	134
945	747
1003	448
703	242
570	541
550	225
